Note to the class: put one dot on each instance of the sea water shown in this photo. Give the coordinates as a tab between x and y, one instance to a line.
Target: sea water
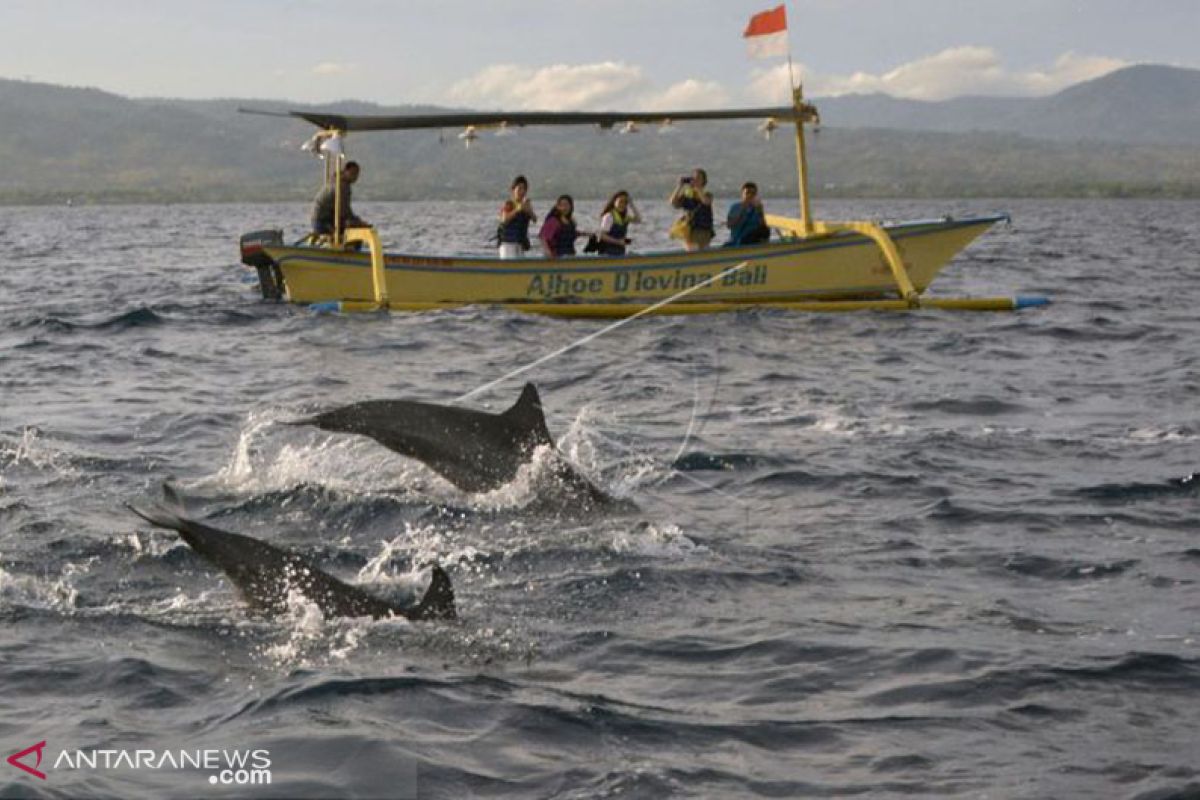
874	554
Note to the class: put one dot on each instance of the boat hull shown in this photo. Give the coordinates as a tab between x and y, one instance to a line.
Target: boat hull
840	267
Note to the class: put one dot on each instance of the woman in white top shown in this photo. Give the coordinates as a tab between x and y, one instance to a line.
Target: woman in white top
618	214
515	216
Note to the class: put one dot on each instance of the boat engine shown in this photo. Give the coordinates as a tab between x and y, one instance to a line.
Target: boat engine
270	279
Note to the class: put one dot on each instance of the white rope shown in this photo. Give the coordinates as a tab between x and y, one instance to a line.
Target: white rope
685	475
597	334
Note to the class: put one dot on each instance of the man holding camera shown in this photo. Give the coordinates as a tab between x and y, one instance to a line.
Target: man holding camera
692	196
747	220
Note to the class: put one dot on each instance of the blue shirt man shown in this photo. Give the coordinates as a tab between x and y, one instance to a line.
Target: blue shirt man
747	220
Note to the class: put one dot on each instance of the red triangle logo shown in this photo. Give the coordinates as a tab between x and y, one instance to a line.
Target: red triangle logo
15	760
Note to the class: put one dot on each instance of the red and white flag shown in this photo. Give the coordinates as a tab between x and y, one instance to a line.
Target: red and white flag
766	35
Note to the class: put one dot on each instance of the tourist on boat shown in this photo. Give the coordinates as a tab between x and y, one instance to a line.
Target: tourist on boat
325	203
618	214
515	217
558	232
747	220
692	196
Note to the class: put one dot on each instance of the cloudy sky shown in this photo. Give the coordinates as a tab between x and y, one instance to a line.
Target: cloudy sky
576	54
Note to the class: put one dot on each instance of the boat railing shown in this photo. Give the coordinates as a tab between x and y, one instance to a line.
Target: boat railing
370	238
872	230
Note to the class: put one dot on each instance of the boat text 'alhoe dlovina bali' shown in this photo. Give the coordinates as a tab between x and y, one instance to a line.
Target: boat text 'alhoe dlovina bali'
810	265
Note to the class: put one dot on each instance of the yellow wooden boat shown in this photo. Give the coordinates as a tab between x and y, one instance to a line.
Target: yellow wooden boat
810	265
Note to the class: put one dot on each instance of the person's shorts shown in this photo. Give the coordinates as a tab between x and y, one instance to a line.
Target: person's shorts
509	250
699	238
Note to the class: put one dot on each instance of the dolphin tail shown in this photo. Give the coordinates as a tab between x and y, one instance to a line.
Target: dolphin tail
158	516
171	513
438	602
196	536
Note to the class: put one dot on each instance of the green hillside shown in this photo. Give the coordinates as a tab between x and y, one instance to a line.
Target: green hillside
85	145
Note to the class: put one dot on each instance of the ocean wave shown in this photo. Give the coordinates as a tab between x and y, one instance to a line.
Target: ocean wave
139	317
1048	568
724	462
1128	492
977	406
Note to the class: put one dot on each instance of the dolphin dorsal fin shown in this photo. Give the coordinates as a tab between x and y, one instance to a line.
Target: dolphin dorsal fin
172	499
527	413
438	602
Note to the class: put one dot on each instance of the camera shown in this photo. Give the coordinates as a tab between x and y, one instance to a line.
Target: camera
686	179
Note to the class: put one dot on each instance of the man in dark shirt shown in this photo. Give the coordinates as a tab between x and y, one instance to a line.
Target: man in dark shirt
324	205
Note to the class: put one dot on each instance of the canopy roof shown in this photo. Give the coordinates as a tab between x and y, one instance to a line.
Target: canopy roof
495	119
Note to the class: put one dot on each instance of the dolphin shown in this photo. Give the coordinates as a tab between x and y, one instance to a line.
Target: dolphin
475	450
264	574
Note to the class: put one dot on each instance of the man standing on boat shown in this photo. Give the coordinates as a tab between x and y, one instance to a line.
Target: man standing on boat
691	194
325	205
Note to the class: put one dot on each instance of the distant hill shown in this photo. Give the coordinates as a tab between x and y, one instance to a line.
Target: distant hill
1137	105
1133	132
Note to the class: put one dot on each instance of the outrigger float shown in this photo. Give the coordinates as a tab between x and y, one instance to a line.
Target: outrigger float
810	265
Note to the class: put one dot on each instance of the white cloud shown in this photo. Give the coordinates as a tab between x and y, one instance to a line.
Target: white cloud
560	87
1071	68
563	87
951	73
328	68
771	86
688	94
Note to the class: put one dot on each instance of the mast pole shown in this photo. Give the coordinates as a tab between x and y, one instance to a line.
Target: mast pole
797	93
337	197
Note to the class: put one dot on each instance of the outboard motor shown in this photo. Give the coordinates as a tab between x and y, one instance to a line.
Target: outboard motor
270	279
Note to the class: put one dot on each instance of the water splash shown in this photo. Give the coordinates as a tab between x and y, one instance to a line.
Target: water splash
625	468
656	541
58	594
262	461
31	449
310	640
423	545
1172	434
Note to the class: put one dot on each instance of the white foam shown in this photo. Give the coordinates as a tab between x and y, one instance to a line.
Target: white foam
832	421
425	545
593	453
182	607
666	541
523	488
270	457
309	639
1172	435
58	594
153	545
828	419
265	461
32	449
